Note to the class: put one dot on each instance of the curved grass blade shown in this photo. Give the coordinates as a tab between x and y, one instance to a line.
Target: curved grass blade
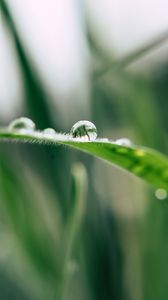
146	163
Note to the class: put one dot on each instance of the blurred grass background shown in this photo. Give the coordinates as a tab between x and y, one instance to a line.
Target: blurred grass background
73	227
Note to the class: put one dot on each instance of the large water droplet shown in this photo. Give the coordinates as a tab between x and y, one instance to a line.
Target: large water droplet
49	131
161	194
85	130
22	123
124	142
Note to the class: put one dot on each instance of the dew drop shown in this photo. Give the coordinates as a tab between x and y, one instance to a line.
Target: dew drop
123	142
49	131
161	194
85	130
22	124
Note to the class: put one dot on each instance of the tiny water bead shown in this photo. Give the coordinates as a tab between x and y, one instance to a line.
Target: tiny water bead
22	123
161	194
123	142
84	129
50	131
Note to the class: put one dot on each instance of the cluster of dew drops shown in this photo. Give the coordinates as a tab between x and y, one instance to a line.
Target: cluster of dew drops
82	130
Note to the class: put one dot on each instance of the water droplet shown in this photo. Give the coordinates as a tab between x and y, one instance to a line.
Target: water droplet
85	130
161	194
22	124
49	131
124	142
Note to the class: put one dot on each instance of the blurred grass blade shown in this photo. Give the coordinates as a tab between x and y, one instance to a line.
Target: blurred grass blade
143	162
33	89
133	56
75	217
77	209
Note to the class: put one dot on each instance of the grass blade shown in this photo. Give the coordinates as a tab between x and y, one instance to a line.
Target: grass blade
133	56
146	163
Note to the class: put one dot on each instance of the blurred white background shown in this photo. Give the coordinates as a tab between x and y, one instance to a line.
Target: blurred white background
54	34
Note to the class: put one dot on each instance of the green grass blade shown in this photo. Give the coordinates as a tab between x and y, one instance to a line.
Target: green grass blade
74	222
146	163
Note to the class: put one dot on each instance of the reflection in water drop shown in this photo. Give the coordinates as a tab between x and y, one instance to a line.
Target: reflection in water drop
123	142
49	131
161	194
85	130
22	124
